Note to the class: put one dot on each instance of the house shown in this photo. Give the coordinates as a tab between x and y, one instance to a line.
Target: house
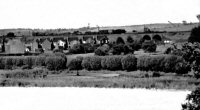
15	46
46	45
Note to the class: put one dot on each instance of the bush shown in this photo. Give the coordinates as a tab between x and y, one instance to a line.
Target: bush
168	63
76	49
150	63
193	100
88	48
111	63
55	63
173	63
102	50
129	63
8	63
117	49
75	64
149	46
40	61
29	62
92	63
2	62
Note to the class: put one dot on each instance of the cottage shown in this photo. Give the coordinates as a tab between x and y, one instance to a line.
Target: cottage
46	45
15	46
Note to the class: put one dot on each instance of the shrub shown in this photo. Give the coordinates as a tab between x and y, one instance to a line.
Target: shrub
117	49
8	63
40	61
149	46
168	63
76	49
88	48
75	64
102	50
29	62
55	63
173	63
129	63
150	63
2	62
193	100
19	61
111	63
92	63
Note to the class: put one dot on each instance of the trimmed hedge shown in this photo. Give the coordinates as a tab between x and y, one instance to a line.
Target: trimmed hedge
75	64
56	61
168	63
92	63
111	63
102	50
129	63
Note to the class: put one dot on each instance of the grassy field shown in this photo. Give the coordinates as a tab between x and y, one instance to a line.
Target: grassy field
107	79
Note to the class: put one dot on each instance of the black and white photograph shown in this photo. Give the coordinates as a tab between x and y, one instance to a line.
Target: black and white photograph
100	54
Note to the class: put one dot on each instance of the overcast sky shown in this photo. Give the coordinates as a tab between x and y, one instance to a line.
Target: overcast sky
78	13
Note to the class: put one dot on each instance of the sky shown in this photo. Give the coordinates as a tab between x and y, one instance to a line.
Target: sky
52	14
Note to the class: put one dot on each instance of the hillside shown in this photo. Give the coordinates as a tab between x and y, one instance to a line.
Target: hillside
139	28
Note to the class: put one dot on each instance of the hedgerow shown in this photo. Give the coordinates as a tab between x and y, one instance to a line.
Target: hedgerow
92	63
167	63
129	63
111	63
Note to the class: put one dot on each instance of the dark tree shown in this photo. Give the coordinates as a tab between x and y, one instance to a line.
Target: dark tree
193	100
3	45
66	45
52	45
10	34
195	35
81	41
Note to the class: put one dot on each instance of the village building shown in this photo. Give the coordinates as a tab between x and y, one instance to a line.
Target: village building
15	46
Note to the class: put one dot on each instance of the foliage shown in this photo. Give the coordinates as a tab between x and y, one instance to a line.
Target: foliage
193	100
29	62
102	50
55	63
40	61
75	64
129	62
194	36
76	49
111	63
92	63
149	46
117	49
168	63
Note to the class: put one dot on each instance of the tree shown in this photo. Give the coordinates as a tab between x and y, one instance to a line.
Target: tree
195	35
10	34
3	45
76	64
193	100
52	45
